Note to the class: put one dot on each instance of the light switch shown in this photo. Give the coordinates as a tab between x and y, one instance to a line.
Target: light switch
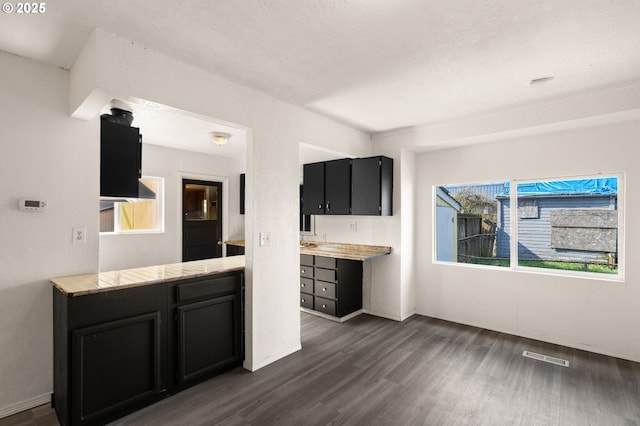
265	239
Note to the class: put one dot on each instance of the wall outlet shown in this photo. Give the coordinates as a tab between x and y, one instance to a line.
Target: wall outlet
79	235
265	239
353	226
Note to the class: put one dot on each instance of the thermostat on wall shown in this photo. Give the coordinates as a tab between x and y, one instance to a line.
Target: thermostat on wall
32	205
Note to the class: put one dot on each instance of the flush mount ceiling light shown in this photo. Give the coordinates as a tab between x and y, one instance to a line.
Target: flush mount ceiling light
220	138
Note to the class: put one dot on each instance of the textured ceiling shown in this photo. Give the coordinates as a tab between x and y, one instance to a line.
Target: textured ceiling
375	64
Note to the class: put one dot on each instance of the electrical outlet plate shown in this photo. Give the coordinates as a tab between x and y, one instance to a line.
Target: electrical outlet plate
265	239
79	235
353	226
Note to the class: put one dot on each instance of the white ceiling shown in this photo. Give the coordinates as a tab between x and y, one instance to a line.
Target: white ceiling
374	64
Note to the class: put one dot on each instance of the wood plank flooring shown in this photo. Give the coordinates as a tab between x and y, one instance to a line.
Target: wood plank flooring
423	371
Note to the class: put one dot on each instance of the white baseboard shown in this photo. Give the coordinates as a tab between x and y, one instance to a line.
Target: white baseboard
25	405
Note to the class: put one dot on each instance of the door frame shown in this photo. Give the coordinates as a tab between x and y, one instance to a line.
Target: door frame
224	180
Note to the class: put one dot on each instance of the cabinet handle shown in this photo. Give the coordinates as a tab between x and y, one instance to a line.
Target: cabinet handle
320	206
303	271
301	285
328	206
302	300
324	306
324	289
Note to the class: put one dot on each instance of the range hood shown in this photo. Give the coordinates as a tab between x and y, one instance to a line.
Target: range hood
121	158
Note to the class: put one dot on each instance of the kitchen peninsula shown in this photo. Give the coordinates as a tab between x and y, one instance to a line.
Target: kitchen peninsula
125	339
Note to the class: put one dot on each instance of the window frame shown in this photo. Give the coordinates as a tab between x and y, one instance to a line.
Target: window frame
513	229
160	229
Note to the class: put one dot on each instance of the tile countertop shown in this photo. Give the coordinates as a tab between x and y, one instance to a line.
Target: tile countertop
79	285
338	250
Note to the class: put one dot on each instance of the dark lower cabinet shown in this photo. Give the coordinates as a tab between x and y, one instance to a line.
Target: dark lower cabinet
118	351
330	286
118	366
207	334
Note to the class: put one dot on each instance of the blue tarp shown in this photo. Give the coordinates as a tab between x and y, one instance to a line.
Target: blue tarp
603	186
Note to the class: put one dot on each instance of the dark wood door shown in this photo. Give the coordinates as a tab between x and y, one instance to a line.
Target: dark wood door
201	220
116	367
208	337
337	189
313	181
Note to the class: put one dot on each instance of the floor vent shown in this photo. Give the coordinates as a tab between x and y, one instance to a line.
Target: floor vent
546	358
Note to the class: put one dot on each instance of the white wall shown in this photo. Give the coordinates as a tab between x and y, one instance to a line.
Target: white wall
599	316
126	71
135	250
47	155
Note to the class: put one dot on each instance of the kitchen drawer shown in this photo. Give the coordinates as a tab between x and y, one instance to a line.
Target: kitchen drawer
306	259
306	300
326	274
324	289
306	285
206	288
325	306
326	262
306	271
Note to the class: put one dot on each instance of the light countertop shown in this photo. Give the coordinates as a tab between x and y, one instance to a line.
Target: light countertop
338	250
79	285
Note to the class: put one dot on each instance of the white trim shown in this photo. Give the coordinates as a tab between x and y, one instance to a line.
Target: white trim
331	317
25	405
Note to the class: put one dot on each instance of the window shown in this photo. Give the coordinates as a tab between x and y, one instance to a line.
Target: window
140	215
566	225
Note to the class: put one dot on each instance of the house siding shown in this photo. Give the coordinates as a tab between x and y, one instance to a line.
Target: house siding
535	233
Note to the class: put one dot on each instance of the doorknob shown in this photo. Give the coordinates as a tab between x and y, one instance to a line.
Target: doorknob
219	242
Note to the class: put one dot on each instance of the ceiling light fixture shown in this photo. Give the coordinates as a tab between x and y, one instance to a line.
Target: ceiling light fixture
220	138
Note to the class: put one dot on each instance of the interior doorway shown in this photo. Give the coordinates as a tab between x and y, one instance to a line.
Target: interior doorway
201	219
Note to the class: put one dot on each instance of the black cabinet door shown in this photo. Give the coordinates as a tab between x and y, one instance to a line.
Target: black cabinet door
313	177
372	186
337	186
208	337
116	367
120	160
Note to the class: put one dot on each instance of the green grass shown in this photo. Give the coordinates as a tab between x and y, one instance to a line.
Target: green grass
567	266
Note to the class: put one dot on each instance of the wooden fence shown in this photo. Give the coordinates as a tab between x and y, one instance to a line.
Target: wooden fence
476	237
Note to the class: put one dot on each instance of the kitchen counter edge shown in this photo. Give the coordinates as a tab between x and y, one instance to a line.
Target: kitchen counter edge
79	285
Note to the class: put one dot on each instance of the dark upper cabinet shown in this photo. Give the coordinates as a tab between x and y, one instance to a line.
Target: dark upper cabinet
359	186
372	186
313	176
242	185
337	186
120	160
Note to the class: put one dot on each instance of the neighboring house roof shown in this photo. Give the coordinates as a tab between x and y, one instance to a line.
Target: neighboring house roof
582	187
447	198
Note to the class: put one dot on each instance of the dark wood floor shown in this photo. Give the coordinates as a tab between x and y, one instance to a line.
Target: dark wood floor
423	371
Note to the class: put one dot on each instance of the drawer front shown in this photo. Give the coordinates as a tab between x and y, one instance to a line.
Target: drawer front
324	289
306	259
209	287
325	306
306	271
326	262
326	274
306	300
306	285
